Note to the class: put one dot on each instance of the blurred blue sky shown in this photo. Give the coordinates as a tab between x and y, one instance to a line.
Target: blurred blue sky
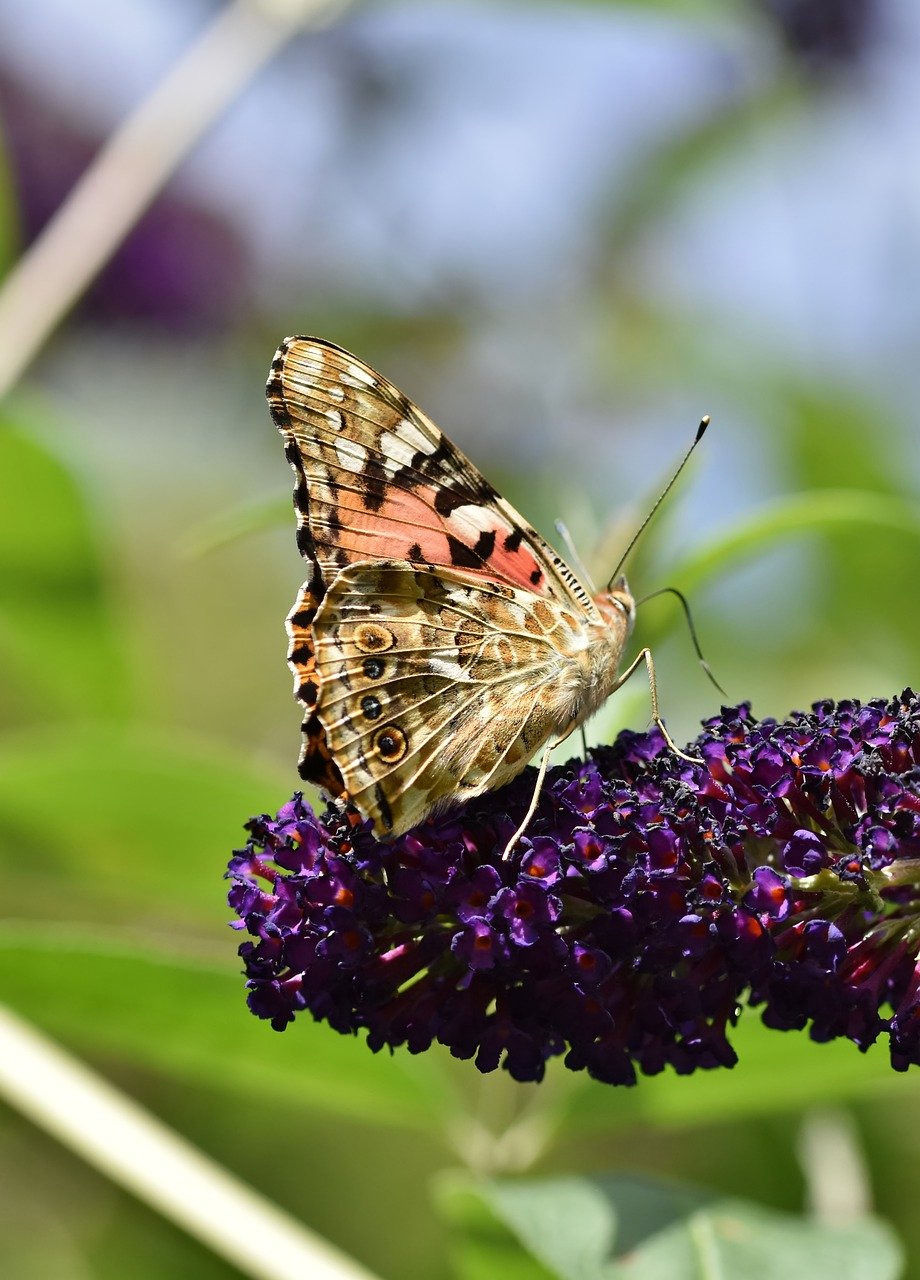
415	147
424	156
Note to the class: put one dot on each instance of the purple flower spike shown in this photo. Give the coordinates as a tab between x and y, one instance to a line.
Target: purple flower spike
648	900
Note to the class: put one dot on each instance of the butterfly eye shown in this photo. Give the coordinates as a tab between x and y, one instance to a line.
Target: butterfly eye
391	744
373	668
370	637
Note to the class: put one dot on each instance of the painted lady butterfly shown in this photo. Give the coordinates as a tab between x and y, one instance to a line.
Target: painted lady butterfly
439	642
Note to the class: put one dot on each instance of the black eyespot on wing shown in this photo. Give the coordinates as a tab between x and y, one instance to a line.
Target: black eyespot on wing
391	743
373	668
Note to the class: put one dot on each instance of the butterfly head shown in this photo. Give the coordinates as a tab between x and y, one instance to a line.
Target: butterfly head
616	603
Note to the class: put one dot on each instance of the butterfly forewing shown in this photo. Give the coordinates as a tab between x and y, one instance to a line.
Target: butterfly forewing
377	480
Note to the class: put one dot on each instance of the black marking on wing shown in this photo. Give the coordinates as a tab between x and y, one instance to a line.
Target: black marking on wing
386	813
485	544
462	556
300	399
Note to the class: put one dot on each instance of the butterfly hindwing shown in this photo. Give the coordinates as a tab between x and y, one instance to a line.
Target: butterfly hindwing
437	685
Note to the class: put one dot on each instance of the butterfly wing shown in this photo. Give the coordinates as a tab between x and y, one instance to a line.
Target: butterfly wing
380	488
377	480
437	685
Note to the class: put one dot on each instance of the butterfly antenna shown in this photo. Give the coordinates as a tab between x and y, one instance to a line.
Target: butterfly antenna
696	644
700	431
563	531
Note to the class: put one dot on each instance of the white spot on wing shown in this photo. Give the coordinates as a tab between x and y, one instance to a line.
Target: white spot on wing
355	376
414	437
336	393
311	360
396	448
351	455
334	418
450	670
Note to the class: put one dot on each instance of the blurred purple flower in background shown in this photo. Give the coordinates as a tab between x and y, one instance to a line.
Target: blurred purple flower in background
824	32
183	268
648	899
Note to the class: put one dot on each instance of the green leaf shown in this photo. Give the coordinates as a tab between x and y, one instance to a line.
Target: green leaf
567	1224
615	1228
62	649
177	1012
480	1245
728	1239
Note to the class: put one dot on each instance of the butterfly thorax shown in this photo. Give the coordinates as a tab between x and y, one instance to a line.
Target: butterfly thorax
599	662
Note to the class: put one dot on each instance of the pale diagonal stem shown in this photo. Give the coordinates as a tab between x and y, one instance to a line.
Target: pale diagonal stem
134	165
122	1140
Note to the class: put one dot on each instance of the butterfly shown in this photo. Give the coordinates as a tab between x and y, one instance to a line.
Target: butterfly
439	642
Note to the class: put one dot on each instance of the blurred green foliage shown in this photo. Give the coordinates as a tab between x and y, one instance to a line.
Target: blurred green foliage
592	1228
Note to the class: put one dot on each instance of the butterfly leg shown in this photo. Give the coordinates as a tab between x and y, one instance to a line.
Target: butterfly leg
645	655
532	807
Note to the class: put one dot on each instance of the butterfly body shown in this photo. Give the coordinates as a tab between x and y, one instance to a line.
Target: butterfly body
439	643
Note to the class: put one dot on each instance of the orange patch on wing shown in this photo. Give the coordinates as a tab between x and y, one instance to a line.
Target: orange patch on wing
472	537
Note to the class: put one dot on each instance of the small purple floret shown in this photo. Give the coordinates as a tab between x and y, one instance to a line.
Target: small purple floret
649	898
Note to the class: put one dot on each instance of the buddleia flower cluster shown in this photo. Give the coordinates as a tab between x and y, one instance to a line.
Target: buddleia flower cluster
650	900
